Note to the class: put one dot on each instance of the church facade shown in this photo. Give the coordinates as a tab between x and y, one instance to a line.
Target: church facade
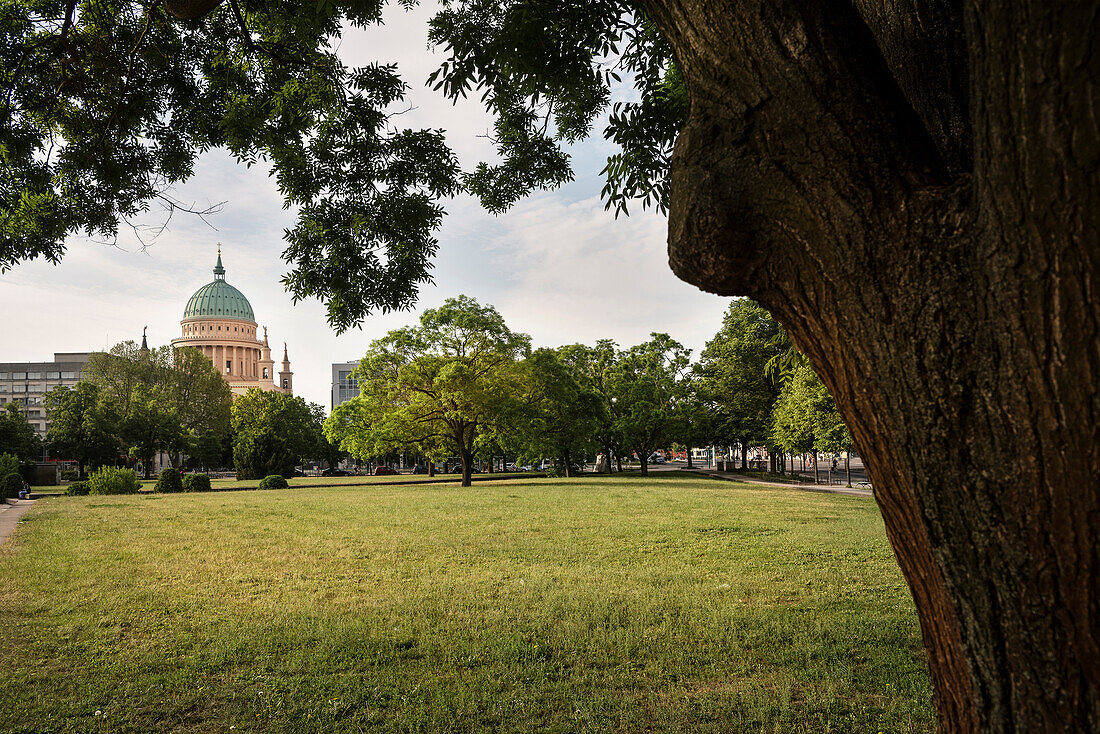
219	322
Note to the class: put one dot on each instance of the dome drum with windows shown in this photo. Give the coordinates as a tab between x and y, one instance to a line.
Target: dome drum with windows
220	323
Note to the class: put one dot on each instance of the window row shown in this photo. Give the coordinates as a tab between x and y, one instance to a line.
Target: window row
39	375
192	329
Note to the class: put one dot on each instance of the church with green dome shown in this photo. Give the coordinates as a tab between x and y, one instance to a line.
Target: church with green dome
218	321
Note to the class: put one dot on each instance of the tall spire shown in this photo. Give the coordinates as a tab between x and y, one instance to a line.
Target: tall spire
219	271
285	358
144	344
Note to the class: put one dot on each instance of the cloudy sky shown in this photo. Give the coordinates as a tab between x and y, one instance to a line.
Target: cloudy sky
557	266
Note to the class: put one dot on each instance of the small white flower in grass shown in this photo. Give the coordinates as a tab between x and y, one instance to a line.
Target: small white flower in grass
98	712
723	586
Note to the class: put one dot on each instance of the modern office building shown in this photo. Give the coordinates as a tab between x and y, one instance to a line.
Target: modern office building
219	322
26	383
344	386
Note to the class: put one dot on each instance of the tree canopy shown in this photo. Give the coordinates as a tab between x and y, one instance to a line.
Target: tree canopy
17	436
106	106
437	385
274	432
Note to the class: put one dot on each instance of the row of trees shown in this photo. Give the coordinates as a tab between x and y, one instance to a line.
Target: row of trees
461	383
133	403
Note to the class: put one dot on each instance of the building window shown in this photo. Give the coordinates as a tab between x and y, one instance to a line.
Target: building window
227	365
5	375
68	375
265	373
18	388
34	375
18	375
53	375
286	383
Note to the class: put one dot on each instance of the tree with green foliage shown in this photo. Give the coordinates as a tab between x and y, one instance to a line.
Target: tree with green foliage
593	366
806	418
151	424
645	385
559	415
171	400
201	398
794	426
439	383
273	433
83	427
889	179
17	435
735	383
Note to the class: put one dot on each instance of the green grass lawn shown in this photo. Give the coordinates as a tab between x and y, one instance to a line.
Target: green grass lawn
599	604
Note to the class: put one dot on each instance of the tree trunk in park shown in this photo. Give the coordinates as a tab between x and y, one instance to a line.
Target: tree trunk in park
911	188
619	461
744	456
467	466
568	471
817	476
644	459
848	466
431	468
689	458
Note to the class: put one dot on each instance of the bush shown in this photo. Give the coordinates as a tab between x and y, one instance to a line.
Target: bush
10	485
69	475
9	464
196	483
77	489
169	481
112	480
273	481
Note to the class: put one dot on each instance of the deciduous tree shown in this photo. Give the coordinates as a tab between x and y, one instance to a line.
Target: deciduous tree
17	436
82	426
432	384
645	386
273	432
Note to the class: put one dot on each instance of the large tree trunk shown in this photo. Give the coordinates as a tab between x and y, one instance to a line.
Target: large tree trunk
643	457
689	457
911	188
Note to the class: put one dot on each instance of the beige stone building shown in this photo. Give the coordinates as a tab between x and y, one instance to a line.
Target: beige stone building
219	322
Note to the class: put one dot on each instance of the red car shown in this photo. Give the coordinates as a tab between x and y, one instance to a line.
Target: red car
384	470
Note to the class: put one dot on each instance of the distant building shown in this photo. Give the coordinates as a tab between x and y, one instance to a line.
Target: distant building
26	383
344	386
219	322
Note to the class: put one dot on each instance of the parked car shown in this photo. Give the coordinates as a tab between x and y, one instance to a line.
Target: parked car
420	469
384	471
335	473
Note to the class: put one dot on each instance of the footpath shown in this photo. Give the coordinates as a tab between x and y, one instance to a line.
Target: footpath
10	512
735	477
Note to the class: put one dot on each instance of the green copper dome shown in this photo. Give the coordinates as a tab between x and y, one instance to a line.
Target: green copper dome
218	299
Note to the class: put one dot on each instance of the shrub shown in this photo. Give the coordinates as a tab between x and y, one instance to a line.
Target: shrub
77	489
112	480
10	485
273	481
169	481
9	464
196	483
69	475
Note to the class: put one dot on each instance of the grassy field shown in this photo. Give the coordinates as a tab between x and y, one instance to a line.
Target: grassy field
669	604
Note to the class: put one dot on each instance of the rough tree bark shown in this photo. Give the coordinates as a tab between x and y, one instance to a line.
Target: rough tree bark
913	188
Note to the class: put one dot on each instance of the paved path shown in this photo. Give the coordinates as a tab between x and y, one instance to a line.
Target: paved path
10	512
734	477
